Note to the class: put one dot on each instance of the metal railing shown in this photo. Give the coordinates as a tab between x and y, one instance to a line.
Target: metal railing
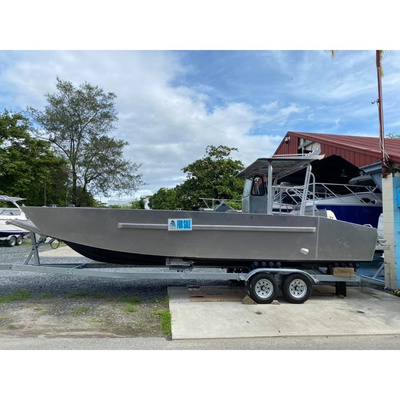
293	195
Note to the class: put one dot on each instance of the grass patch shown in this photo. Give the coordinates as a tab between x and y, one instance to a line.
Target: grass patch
130	299
163	300
45	296
17	295
4	299
80	310
131	308
165	320
98	295
76	295
20	295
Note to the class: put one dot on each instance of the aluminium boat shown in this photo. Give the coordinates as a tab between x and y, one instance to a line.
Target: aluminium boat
203	238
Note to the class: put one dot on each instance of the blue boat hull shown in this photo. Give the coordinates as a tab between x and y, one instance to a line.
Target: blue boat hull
361	215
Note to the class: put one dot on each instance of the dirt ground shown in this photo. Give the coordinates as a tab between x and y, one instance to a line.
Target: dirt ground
81	317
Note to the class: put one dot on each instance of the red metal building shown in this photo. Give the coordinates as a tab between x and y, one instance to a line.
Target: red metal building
358	150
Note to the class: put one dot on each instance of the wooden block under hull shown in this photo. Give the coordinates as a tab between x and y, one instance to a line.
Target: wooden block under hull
343	271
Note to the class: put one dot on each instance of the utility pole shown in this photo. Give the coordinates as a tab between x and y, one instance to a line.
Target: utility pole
45	193
385	157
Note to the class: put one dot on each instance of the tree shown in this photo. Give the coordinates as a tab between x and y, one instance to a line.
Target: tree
134	205
77	121
138	204
29	168
214	176
165	199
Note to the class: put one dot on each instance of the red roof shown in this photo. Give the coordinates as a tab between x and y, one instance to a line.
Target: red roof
359	150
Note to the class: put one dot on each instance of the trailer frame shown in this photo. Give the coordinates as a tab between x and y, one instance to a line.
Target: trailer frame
263	283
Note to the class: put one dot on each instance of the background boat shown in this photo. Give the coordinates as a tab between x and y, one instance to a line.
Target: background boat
10	234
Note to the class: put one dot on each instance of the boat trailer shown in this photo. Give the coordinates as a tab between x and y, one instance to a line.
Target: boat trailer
263	282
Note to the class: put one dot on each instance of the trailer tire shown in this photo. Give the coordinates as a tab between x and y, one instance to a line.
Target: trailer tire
20	239
296	288
263	288
12	241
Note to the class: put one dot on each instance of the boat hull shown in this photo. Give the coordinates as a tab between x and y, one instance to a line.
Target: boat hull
6	234
11	214
356	214
10	230
142	237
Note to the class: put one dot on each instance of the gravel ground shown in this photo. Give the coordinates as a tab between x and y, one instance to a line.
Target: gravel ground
78	306
54	305
38	283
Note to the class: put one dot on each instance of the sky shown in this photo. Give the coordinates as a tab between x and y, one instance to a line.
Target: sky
173	104
178	95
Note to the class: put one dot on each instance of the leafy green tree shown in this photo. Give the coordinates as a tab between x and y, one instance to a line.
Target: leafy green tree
29	168
138	204
77	121
214	176
165	199
134	205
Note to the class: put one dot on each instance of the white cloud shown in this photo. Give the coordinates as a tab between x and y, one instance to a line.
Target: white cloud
167	126
169	121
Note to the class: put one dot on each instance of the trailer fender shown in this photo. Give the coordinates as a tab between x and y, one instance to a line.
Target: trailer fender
280	271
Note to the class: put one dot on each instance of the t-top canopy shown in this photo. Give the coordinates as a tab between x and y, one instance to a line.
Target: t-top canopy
281	165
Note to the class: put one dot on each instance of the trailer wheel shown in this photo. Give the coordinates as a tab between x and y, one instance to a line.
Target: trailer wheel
296	288
262	288
20	239
12	241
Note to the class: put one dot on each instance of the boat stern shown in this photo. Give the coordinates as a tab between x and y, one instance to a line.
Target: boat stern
344	241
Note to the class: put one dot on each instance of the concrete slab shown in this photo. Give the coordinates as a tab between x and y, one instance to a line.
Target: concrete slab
365	311
62	251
